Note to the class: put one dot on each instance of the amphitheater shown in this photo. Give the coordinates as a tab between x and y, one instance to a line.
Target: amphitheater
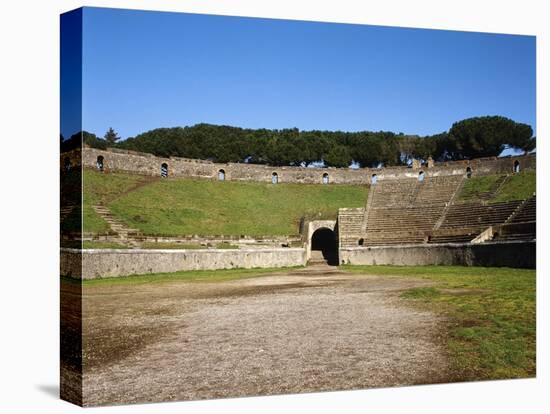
291	313
417	215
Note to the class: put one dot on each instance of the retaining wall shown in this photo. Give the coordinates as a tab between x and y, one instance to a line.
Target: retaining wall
148	164
509	254
120	262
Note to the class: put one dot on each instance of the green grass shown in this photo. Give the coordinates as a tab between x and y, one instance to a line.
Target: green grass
517	187
475	186
72	223
154	245
93	222
183	206
226	245
101	190
187	276
491	314
167	245
102	245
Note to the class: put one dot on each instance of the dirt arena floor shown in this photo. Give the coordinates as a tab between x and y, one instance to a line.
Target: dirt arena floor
305	330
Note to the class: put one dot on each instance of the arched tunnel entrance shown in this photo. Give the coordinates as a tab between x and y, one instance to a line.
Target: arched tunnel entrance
324	245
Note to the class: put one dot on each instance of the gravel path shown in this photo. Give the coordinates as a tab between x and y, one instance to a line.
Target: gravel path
315	329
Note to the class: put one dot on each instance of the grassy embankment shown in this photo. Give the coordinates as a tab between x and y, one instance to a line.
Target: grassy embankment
103	245
516	187
152	245
491	314
101	189
221	275
175	207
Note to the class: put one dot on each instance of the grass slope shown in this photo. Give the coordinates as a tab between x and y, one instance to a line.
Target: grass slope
102	245
516	187
491	314
475	186
93	222
102	188
185	206
186	276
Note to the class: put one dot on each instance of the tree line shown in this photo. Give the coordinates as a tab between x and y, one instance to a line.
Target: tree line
466	139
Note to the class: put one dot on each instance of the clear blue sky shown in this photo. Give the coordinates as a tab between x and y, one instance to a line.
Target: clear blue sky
144	70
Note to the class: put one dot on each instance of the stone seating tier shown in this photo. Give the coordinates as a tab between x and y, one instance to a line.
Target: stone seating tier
350	221
528	212
453	238
516	237
469	214
413	212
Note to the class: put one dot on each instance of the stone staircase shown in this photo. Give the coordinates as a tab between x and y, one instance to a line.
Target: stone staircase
318	259
526	211
405	212
449	204
463	222
399	193
350	226
464	237
126	234
490	193
477	214
65	210
415	212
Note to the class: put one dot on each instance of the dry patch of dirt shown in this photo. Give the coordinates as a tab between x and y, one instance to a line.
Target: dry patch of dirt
306	330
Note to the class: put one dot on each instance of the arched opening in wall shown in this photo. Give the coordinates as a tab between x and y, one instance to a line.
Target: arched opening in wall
100	163
164	170
373	179
421	176
325	245
468	172
361	242
221	175
325	178
274	178
67	165
516	166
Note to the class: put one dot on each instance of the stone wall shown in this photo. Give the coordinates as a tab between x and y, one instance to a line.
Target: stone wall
70	263
120	262
509	254
148	164
250	242
314	225
70	159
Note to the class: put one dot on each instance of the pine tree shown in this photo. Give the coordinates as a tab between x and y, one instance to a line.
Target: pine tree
111	136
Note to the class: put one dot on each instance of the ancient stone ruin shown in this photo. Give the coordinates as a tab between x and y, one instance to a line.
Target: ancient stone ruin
411	216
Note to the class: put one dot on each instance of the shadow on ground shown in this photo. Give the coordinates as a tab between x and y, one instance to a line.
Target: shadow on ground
51	390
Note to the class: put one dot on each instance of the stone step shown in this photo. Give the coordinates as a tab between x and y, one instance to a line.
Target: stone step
116	225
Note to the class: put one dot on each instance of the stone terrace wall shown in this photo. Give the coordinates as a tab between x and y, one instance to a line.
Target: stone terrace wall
148	164
112	262
72	158
509	254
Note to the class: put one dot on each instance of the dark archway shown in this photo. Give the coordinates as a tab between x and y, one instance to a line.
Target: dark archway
99	163
164	170
325	178
221	175
468	172
516	166
324	240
